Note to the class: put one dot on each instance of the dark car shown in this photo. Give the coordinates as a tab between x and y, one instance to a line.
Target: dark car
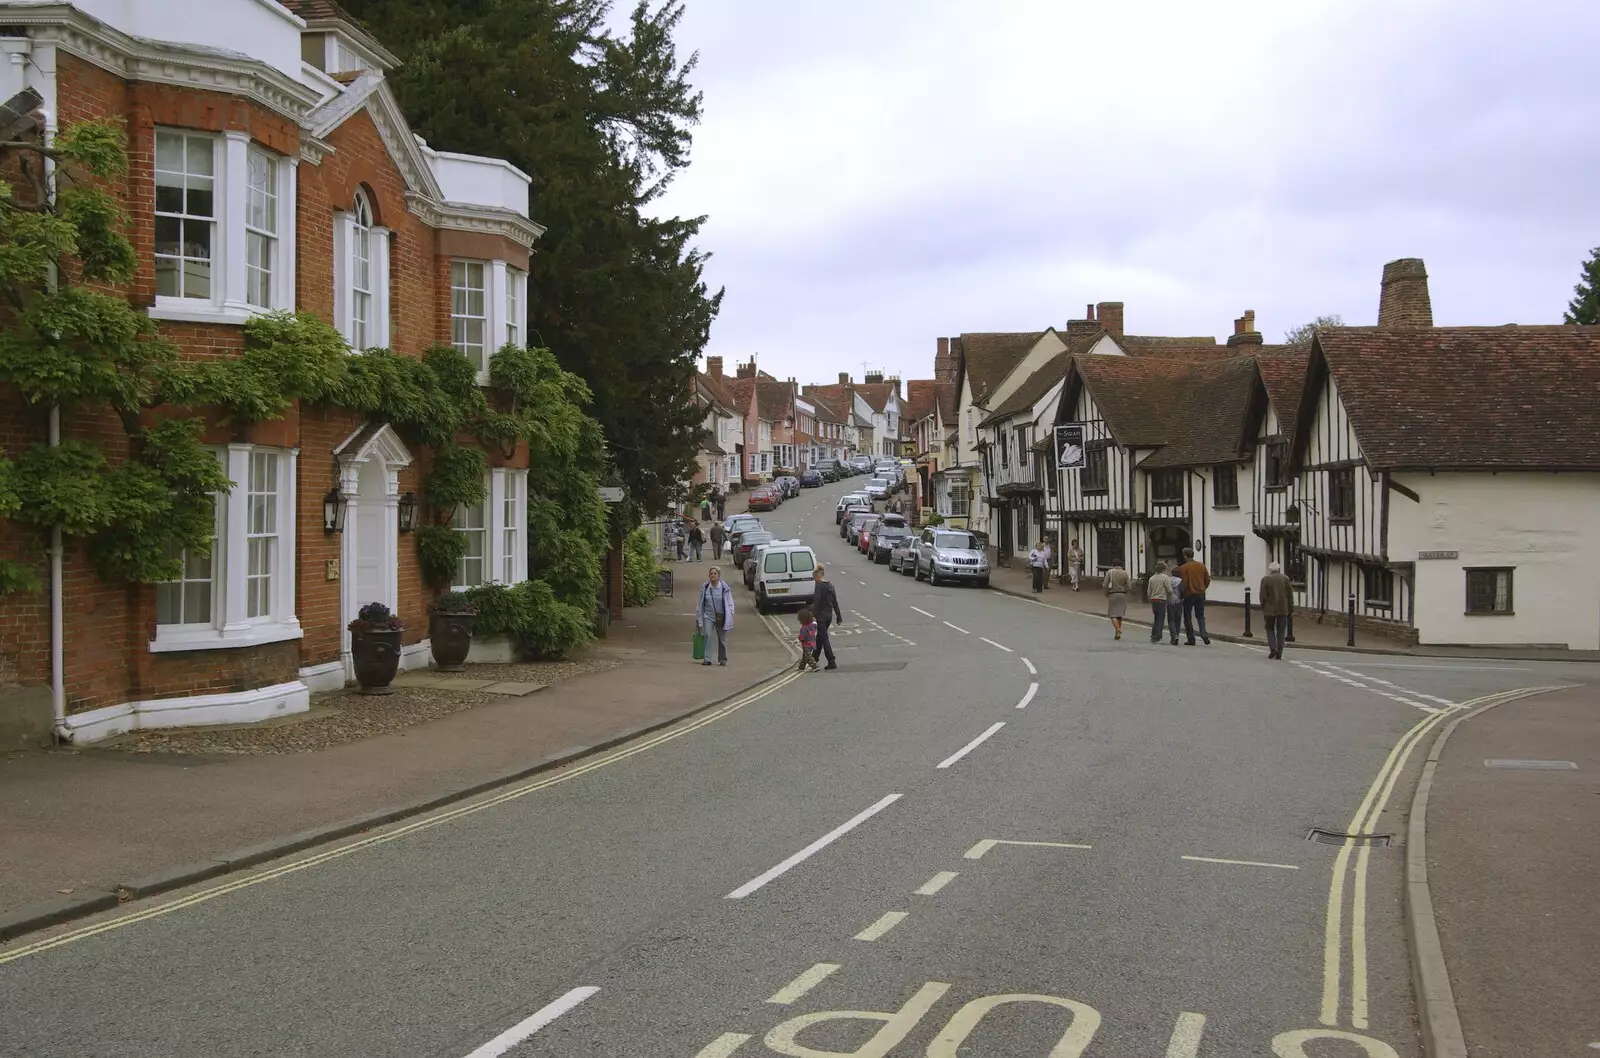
885	538
747	543
811	479
851	529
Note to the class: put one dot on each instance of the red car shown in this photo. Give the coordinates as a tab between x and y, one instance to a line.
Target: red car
864	532
764	499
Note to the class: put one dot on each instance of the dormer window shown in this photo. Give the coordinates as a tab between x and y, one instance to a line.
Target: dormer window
361	276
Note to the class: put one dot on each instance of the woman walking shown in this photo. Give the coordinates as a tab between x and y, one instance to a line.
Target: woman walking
716	614
1117	596
1074	563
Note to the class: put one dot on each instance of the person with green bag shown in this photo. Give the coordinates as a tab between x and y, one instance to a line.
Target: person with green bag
714	618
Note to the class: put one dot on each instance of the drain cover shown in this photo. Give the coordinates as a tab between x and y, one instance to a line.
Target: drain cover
1543	765
1334	837
872	666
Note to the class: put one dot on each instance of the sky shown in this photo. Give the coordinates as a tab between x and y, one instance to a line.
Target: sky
877	173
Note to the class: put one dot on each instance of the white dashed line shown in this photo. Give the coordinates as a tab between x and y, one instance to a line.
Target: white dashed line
803	984
1386	683
925	613
1031	670
970	746
1033	689
936	883
889	921
510	1038
1242	863
1000	646
886	595
812	849
958	628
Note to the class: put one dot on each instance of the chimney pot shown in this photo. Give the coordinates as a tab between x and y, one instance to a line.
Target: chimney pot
1109	315
1088	311
1404	301
714	366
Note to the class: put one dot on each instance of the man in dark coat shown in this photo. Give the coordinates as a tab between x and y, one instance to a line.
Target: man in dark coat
1277	602
825	604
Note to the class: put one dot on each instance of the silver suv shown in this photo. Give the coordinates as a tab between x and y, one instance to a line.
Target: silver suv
951	554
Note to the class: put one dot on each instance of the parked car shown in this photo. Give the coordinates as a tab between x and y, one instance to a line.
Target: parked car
951	554
904	556
860	463
855	524
885	538
878	488
849	501
747	543
735	524
788	484
785	576
765	498
811	479
865	531
822	466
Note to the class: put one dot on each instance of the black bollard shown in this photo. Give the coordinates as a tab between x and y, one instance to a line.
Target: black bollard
1247	633
1290	637
1350	634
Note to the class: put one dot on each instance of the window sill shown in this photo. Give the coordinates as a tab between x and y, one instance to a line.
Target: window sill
1277	488
1224	506
1341	521
175	638
1489	613
186	310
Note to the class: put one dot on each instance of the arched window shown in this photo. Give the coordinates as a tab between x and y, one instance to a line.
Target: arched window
361	272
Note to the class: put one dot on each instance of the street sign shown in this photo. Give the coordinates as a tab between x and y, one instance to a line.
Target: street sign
1438	554
611	493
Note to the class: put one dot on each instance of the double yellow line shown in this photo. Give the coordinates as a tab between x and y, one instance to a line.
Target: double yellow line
1362	825
426	823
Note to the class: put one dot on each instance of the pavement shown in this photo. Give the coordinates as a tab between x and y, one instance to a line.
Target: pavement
1227	623
1513	851
992	831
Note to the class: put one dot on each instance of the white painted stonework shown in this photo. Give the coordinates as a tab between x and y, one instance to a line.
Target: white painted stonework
264	29
1546	527
241	707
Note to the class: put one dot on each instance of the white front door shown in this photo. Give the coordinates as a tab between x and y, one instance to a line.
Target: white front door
371	560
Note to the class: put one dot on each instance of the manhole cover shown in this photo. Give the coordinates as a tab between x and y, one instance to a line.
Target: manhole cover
872	666
1334	837
1542	765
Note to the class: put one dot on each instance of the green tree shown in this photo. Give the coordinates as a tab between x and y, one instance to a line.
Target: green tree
1306	331
601	121
1585	308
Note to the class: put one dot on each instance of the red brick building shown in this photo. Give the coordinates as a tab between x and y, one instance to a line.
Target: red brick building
271	169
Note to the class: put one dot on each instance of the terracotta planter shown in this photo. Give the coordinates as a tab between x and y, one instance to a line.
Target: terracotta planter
376	656
450	636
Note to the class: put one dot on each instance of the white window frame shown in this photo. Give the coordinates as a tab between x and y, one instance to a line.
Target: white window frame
505	292
264	228
504	532
485	272
347	228
228	303
516	303
230	626
482	529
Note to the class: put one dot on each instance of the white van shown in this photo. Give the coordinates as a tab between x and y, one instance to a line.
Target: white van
784	578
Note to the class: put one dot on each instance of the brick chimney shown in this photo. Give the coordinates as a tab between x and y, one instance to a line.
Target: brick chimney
873	378
844	378
946	362
1405	301
1109	314
748	370
1088	325
894	380
1244	331
714	366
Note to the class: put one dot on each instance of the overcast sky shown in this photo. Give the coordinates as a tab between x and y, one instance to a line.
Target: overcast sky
875	178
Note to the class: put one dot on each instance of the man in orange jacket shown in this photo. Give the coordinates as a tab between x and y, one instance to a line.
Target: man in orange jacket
1196	579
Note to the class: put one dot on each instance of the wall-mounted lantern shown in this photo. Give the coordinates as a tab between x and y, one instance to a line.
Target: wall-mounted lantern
408	512
333	509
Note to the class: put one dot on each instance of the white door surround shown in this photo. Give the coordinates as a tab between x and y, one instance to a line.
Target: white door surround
370	461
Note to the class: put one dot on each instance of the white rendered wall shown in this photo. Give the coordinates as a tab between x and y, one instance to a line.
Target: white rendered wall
261	29
478	181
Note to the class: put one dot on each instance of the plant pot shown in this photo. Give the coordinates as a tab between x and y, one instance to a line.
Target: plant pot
376	656
450	635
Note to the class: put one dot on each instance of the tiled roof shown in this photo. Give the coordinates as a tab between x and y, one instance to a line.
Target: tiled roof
774	399
920	397
988	356
876	394
1283	371
1036	385
837	395
1200	347
1192	412
947	402
739	391
720	390
312	10
827	410
1468	397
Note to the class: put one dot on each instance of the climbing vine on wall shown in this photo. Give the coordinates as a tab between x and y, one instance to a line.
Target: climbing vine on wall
139	501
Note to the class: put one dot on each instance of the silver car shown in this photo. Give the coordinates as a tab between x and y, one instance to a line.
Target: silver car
953	555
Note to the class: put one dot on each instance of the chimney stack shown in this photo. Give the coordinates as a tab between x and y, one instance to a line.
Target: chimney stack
1087	325
1109	314
748	370
874	378
844	378
894	380
1404	301
714	366
1244	331
946	362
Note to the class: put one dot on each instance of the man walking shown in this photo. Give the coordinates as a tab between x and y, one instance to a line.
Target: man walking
722	501
1036	564
1195	579
1277	603
697	540
719	536
825	604
1159	592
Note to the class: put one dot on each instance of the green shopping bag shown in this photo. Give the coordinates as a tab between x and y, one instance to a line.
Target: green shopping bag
699	643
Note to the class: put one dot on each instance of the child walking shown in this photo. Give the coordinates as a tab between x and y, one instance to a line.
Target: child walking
808	640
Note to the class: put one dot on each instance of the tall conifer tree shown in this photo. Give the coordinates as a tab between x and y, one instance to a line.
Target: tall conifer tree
1585	308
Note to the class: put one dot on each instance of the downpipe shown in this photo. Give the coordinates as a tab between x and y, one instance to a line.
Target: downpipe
58	647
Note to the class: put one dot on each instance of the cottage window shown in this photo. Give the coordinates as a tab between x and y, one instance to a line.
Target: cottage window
1227	557
1342	494
960	499
469	315
1378	586
361	276
1096	464
1277	464
186	214
1022	446
1225	485
1294	562
516	295
239	595
1166	486
1489	591
469	520
1110	547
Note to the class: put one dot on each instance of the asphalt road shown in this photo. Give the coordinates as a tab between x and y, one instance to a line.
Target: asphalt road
992	832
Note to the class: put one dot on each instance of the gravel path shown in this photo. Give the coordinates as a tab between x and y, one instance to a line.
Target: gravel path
342	716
